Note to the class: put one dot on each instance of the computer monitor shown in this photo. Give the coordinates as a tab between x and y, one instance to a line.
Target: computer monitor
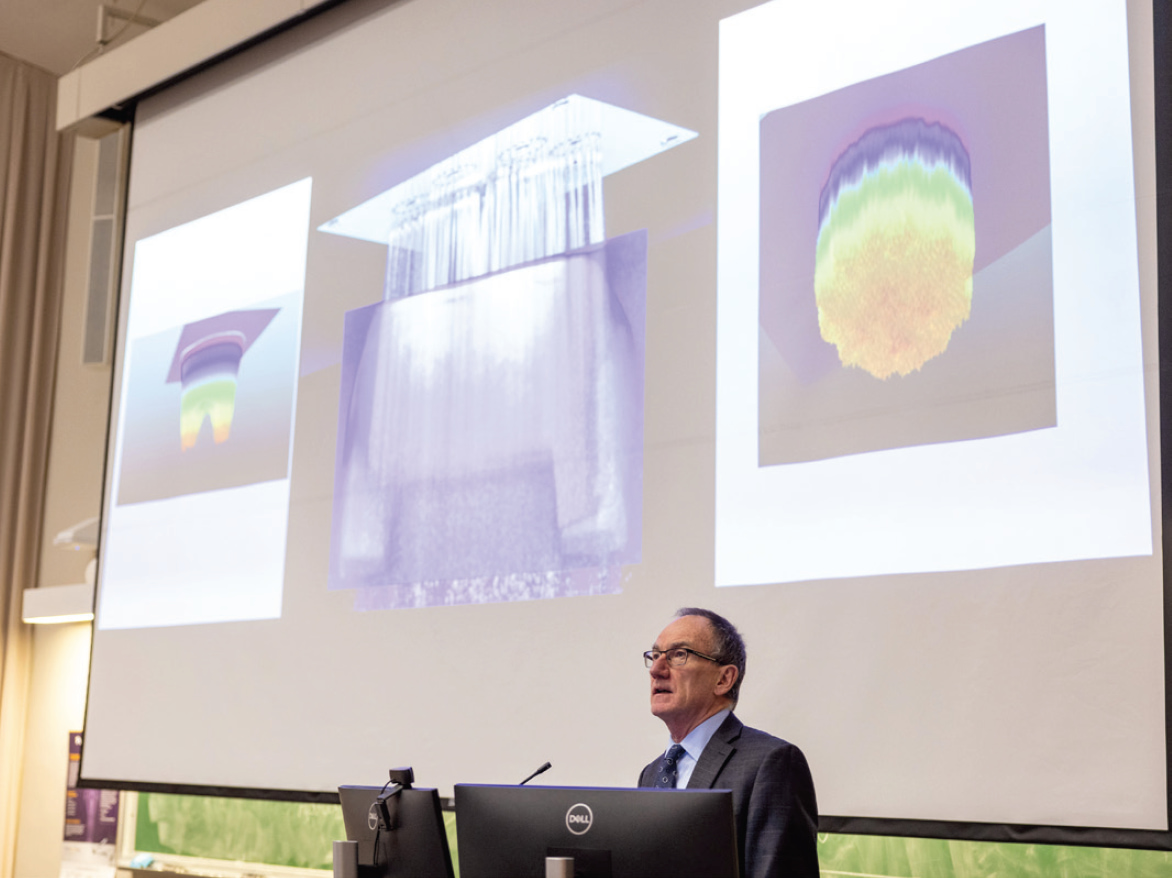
610	833
417	846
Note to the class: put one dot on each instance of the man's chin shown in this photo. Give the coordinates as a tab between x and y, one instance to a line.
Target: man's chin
660	706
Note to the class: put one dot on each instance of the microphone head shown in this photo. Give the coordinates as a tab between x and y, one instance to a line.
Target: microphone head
541	770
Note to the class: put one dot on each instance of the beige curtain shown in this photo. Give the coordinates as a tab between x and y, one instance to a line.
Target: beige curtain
34	167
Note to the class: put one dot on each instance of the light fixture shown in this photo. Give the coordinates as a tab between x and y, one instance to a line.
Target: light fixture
56	604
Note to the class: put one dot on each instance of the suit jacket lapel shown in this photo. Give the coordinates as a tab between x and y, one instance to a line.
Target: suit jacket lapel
720	748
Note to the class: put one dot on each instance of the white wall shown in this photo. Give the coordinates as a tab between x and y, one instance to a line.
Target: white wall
60	662
81	397
61	652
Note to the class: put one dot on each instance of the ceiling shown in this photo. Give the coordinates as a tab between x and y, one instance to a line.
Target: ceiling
58	34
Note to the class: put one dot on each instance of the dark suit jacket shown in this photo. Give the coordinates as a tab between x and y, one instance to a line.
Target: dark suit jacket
773	799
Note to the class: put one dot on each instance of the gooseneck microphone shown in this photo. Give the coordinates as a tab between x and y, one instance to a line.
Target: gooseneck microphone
541	770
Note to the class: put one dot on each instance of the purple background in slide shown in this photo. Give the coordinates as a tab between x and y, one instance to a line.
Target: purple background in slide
490	435
247	324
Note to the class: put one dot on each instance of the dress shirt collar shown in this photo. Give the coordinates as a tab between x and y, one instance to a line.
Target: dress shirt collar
694	743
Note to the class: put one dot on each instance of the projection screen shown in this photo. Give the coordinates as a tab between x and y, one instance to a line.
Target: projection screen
461	344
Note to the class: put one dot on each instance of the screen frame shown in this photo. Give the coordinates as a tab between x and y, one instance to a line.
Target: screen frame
845	824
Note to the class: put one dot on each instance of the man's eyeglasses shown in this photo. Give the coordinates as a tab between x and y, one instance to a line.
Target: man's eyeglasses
677	656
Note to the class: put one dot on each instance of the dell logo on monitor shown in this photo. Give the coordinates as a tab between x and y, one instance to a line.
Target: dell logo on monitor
372	816
579	819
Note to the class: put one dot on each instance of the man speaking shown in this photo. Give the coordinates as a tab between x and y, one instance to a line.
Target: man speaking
697	666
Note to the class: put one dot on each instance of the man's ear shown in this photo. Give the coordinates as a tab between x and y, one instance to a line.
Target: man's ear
726	680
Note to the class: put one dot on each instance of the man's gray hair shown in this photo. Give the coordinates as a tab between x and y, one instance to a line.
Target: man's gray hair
729	646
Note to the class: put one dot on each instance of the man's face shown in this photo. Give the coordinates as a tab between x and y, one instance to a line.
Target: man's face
683	697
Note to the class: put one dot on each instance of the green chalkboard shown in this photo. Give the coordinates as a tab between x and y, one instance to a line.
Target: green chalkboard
891	857
289	834
276	833
271	833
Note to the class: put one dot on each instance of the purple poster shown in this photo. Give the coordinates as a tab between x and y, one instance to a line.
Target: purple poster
90	815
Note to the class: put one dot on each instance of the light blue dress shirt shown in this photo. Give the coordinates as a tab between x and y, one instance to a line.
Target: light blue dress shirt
694	743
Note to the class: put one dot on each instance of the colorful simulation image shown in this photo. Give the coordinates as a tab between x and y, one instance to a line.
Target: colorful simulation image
490	430
893	267
206	364
210	404
906	293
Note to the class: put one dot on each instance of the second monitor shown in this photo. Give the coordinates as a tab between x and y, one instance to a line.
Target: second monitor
610	833
415	845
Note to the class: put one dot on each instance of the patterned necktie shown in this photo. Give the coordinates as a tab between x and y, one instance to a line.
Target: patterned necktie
667	772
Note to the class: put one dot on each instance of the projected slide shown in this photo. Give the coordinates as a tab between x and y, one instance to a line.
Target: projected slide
208	392
858	366
905	258
919	349
490	432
